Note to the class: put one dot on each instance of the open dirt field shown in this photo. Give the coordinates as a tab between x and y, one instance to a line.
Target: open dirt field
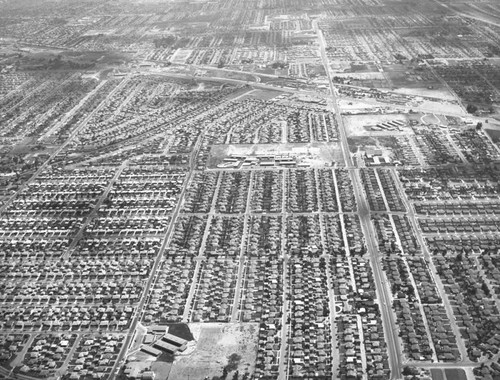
232	75
493	131
423	105
443	108
263	94
181	55
359	105
214	344
356	124
362	76
440	93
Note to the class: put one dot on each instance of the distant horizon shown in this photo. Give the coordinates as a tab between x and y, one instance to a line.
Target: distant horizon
249	189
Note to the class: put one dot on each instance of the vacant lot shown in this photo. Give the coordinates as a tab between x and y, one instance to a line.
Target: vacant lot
215	343
439	107
437	374
264	94
436	92
493	131
455	374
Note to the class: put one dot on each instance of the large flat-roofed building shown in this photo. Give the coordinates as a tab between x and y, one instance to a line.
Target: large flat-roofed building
165	346
175	340
151	350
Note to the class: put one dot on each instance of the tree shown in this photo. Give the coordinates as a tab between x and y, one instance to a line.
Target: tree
279	65
479	125
410	291
471	108
485	289
410	371
399	57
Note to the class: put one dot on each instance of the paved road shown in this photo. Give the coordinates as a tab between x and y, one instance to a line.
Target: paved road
94	212
437	280
478	17
73	134
140	307
245	242
412	280
228	80
282	370
67	116
392	340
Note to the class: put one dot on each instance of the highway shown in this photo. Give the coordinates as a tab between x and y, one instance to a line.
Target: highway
383	295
